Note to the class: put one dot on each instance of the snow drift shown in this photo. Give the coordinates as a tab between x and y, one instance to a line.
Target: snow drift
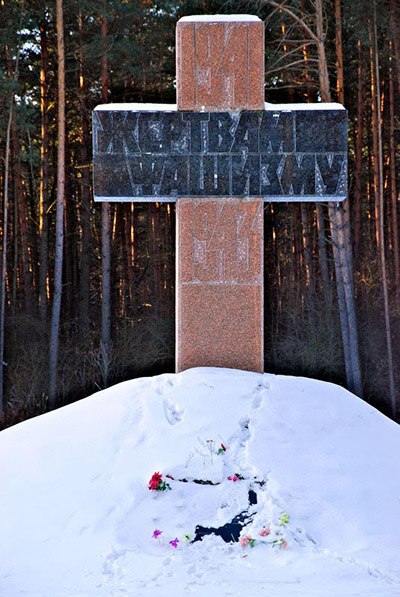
321	468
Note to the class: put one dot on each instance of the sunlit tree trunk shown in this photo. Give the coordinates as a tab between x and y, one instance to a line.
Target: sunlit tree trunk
324	86
22	221
129	244
358	151
339	53
307	248
393	184
44	173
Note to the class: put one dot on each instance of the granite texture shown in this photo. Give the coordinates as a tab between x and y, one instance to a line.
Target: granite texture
280	155
219	283
220	65
219	267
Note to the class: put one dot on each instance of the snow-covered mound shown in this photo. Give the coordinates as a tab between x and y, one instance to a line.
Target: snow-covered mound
311	467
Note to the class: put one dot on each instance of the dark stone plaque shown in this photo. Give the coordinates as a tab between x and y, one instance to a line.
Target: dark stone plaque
280	155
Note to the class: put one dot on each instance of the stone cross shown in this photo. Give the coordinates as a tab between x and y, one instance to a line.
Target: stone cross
220	153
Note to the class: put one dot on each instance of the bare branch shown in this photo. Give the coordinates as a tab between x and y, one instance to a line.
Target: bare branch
294	50
274	11
298	48
299	84
294	16
290	40
291	64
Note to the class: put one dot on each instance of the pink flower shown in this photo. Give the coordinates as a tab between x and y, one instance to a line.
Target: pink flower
283	544
233	478
244	541
174	543
265	532
156	534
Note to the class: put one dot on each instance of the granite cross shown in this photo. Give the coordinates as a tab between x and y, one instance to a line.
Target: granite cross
220	153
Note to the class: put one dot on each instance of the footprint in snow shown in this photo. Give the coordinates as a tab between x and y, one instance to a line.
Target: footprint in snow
244	425
165	387
173	412
258	394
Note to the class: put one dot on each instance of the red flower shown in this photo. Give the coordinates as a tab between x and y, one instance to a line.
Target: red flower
155	481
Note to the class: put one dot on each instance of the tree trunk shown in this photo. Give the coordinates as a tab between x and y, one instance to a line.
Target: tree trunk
21	204
84	279
69	244
44	174
339	53
4	255
341	255
15	259
340	94
106	291
379	201
358	152
323	255
395	25
58	264
347	278
323	74
105	232
129	243
307	248
22	219
344	322
393	185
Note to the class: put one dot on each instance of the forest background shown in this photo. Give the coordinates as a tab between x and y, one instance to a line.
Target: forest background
113	288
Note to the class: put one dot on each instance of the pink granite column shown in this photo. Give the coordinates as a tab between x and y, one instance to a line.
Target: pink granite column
219	278
220	63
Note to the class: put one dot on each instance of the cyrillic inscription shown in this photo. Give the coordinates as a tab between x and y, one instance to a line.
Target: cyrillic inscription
279	155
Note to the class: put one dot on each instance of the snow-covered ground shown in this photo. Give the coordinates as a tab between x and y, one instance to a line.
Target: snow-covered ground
77	517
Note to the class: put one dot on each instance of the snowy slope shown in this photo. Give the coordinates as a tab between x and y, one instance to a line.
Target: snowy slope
77	517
